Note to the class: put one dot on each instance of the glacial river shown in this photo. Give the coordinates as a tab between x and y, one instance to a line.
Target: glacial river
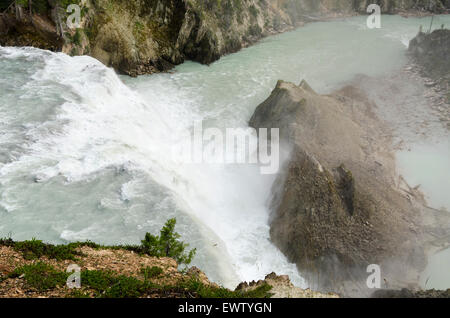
87	155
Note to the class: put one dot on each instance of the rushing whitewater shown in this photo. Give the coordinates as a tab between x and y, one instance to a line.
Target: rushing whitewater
101	164
87	155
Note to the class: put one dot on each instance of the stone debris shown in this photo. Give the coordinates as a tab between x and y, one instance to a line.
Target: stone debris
282	287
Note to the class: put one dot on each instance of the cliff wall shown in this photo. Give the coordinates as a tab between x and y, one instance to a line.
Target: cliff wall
147	36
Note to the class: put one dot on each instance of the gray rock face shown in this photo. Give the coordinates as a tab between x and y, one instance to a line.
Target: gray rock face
431	51
335	208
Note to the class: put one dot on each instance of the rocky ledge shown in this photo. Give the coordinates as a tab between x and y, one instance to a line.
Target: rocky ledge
32	269
336	206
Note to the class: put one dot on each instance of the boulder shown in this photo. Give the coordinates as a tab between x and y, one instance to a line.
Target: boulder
335	206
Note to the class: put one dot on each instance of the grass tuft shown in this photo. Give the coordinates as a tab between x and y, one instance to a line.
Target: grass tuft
35	249
40	276
151	272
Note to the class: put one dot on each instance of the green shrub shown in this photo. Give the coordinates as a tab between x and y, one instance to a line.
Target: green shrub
35	249
167	244
126	287
97	280
7	242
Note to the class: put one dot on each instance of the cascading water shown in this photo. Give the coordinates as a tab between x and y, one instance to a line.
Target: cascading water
99	167
87	155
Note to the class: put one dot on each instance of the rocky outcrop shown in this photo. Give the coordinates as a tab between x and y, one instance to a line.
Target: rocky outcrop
21	29
335	208
431	51
112	272
146	36
283	288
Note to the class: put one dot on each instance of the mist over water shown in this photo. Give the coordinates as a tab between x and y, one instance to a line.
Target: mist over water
86	154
